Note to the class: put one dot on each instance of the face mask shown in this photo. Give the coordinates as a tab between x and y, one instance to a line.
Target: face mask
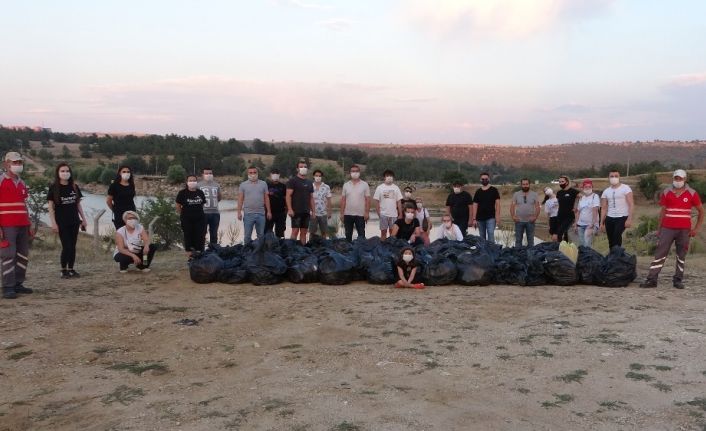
409	216
191	184
564	185
388	180
448	224
131	223
548	192
303	171
420	205
252	177
407	257
614	181
457	190
355	175
408	194
125	176
678	184
64	175
318	179
485	182
587	192
525	189
208	177
17	169
275	177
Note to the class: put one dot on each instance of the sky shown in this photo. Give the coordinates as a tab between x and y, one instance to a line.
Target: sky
515	72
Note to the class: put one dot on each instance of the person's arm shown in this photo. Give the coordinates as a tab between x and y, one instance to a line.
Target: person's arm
497	210
219	197
604	212
343	205
448	209
400	214
594	218
268	210
457	231
537	210
312	204
395	229
417	233
377	207
699	221
109	202
178	208
84	222
474	210
328	207
411	275
400	274
512	209
146	240
241	197
52	217
366	215
288	200
631	208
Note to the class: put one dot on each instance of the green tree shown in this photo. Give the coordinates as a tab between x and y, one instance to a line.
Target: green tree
167	230
450	177
45	155
176	174
65	153
107	175
85	149
94	175
649	185
37	200
332	176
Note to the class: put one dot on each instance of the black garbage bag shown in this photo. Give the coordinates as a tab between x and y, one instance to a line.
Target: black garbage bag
535	267
559	269
474	268
233	275
382	271
229	252
439	271
588	265
335	268
305	269
204	268
266	268
511	266
618	269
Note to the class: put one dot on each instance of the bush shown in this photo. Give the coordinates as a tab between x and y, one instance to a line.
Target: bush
176	174
332	175
107	175
94	175
649	185
167	229
37	200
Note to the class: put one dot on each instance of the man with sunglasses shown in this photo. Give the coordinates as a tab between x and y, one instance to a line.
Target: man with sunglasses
617	206
567	208
524	211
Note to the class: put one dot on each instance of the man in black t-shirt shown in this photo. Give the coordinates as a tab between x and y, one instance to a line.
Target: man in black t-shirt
567	207
459	205
278	204
486	208
300	202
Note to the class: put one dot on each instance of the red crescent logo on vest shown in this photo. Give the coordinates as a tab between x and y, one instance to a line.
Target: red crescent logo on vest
686	199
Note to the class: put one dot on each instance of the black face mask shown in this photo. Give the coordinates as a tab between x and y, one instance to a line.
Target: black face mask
564	185
485	182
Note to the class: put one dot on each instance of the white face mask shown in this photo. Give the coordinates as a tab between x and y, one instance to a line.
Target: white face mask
614	181
409	216
407	257
548	192
131	223
678	184
420	205
587	192
252	177
208	177
318	179
303	171
191	184
275	177
457	190
64	175
125	176
17	169
408	194
355	175
448	224
388	180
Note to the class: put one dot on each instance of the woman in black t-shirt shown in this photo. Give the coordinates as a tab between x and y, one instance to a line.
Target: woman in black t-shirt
408	228
121	195
189	205
66	214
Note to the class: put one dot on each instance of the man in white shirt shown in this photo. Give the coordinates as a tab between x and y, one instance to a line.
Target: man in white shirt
355	204
388	203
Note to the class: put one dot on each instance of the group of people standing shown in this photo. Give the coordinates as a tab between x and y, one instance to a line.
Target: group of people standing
266	205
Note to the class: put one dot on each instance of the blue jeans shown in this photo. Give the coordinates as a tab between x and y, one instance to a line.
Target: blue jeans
486	229
584	238
522	227
250	220
212	222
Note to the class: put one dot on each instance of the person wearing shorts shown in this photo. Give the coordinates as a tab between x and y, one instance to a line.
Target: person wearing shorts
388	203
300	202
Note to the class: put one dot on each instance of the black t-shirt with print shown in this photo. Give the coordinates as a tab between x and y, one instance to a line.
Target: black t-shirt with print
486	203
406	230
566	199
191	202
65	203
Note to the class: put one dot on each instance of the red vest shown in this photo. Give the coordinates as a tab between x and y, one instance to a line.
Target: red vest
677	209
13	211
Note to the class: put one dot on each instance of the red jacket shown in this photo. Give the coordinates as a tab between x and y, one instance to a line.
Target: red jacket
13	210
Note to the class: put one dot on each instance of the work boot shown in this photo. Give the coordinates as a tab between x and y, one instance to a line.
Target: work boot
20	288
678	284
9	293
649	283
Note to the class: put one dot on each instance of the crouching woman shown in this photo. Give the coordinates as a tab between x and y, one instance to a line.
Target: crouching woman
133	244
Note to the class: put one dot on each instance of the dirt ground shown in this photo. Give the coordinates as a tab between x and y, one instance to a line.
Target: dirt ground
108	352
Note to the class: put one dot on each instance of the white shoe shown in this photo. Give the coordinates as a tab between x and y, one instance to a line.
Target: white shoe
123	271
145	270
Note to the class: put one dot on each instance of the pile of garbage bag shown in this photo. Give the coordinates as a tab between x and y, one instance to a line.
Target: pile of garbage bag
471	262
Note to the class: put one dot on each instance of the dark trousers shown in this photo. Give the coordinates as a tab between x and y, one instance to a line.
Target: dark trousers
124	260
614	228
212	222
278	222
463	225
349	221
680	238
68	235
563	226
15	256
194	233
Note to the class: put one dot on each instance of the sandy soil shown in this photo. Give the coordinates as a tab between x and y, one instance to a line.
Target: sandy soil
107	352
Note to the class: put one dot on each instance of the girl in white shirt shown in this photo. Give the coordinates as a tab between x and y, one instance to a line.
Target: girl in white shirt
551	208
423	214
586	225
449	230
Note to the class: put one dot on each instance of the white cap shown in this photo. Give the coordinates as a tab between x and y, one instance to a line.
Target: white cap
13	156
679	173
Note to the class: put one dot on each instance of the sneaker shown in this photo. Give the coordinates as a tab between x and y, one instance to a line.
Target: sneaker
9	293
145	269
648	283
65	273
73	274
678	284
123	271
20	288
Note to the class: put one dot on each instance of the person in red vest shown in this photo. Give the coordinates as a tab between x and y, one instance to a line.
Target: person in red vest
14	228
675	227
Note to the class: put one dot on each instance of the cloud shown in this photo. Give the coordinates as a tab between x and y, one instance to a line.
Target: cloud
688	79
303	4
573	125
337	24
498	19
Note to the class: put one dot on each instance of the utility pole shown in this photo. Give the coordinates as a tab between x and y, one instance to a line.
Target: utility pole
627	174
